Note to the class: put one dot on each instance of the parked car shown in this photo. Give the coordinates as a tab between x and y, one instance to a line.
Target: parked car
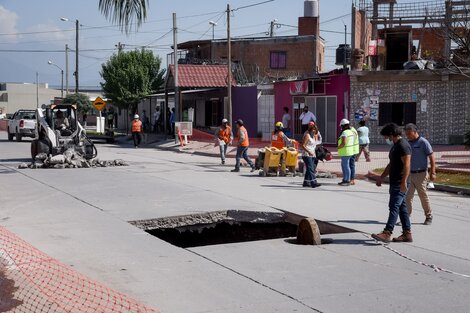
22	124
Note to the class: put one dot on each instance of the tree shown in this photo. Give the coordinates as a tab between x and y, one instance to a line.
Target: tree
81	100
125	12
131	76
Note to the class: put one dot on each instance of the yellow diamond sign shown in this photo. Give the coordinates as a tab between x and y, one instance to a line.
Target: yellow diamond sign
99	104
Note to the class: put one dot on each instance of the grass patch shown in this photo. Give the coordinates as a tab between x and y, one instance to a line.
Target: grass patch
461	179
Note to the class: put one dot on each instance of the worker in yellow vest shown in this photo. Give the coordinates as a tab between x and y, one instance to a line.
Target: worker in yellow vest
279	140
136	130
348	148
242	148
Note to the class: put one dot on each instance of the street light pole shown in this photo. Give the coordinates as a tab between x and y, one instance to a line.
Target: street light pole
76	56
66	69
77	24
62	77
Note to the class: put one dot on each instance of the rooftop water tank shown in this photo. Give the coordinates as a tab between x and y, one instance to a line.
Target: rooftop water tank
311	8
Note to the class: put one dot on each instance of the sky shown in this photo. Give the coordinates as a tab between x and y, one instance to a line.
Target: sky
36	25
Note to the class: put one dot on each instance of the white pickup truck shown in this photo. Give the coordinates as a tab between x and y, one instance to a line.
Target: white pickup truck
22	124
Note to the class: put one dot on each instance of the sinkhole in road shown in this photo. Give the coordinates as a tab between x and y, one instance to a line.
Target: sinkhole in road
229	226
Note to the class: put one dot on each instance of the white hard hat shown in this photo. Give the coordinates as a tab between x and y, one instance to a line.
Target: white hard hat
136	116
343	122
224	121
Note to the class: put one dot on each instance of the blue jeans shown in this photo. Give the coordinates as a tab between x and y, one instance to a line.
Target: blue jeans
397	207
348	167
310	178
223	151
242	152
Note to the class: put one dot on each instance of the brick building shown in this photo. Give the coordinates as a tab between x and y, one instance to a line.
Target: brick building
266	59
437	102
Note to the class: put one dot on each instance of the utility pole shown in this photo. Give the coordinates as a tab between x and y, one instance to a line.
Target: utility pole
66	69
76	56
37	90
175	64
345	63
229	72
120	46
271	28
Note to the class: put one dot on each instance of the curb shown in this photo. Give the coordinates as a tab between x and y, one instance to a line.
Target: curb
437	187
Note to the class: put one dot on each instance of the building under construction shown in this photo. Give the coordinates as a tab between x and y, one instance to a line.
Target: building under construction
390	33
411	65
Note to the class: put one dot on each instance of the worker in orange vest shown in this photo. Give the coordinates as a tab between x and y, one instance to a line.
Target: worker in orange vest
224	137
242	149
136	130
279	140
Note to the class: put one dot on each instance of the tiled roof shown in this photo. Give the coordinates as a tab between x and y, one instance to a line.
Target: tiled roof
201	76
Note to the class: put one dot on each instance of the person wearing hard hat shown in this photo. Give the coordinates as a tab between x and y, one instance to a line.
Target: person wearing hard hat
224	137
279	140
136	130
348	148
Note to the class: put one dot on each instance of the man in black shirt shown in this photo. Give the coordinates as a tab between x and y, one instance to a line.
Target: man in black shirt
399	169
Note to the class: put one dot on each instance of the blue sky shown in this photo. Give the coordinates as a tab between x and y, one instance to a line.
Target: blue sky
36	25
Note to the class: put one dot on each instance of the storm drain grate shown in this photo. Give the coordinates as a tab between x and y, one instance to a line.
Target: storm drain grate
228	226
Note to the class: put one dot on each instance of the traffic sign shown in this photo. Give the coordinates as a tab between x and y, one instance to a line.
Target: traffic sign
99	104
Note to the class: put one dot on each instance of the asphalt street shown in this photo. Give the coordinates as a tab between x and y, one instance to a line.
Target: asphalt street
81	217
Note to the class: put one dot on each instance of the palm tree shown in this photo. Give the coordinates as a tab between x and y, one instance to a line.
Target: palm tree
125	13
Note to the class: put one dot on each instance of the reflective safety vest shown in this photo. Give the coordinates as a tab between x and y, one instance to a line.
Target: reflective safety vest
224	134
136	126
276	140
356	141
352	146
245	142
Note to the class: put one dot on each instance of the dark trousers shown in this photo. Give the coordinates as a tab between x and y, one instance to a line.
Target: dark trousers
304	128
242	152
310	165
137	138
397	207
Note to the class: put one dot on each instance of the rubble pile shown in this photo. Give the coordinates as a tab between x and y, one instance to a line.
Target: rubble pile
70	159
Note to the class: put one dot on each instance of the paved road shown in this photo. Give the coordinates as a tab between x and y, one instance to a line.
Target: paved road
80	217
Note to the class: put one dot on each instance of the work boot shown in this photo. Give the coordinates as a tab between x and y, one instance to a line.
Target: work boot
385	236
405	237
428	220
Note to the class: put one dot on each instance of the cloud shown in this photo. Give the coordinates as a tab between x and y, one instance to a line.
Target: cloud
8	24
50	31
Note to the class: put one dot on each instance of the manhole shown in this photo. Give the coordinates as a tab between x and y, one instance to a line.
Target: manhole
227	227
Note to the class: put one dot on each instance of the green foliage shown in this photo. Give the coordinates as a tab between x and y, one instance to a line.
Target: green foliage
81	100
125	13
131	76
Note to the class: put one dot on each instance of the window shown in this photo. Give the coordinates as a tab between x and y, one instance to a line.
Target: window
278	60
400	113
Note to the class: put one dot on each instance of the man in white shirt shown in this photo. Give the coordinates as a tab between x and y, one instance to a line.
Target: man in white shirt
307	117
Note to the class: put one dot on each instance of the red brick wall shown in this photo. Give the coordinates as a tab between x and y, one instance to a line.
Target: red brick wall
309	26
300	56
433	44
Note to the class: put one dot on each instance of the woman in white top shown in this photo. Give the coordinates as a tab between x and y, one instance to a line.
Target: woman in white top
311	139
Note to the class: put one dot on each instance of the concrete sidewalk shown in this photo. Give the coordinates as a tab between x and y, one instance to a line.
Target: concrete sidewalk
81	217
448	158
